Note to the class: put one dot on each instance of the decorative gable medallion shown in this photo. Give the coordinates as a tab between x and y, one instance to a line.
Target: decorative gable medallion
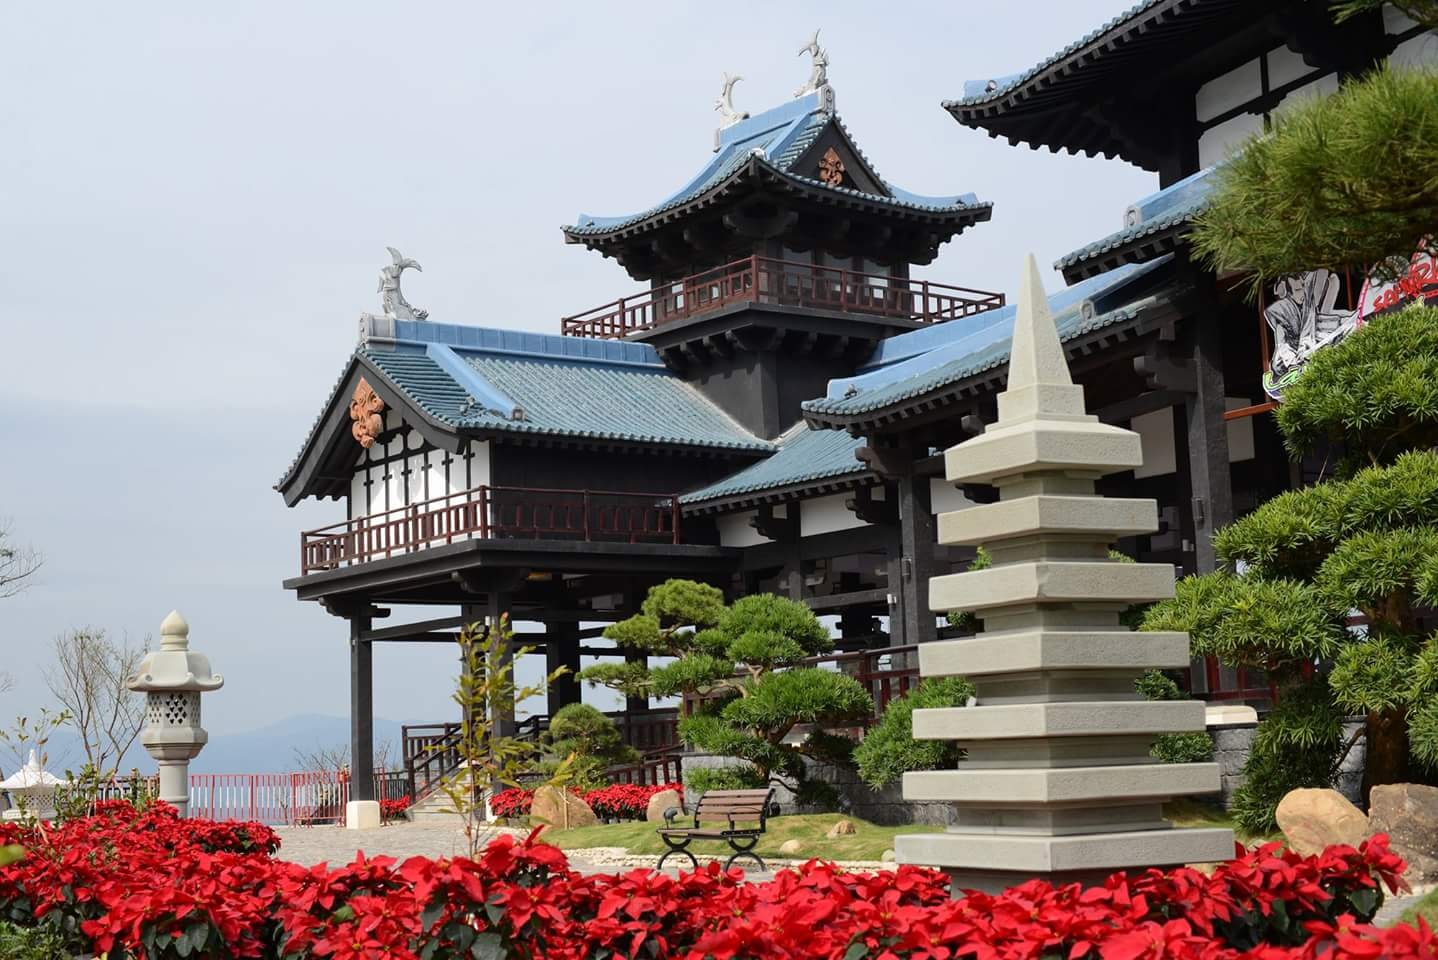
366	410
831	168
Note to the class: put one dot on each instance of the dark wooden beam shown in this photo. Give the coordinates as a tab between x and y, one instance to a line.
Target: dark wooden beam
405	630
783	529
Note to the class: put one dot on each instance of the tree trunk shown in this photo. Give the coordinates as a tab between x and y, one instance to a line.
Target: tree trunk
1387	758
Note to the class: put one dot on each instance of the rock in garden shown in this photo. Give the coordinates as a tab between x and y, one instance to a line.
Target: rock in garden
561	809
888	856
660	802
844	828
1408	813
791	848
1313	818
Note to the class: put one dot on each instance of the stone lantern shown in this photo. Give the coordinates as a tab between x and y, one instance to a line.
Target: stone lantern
172	679
32	787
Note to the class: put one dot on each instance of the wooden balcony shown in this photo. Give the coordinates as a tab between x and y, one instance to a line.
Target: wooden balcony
489	512
783	282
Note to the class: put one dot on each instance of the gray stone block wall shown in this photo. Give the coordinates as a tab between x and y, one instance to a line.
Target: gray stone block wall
1231	746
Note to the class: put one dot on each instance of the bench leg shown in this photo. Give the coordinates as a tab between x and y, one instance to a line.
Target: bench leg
742	849
676	848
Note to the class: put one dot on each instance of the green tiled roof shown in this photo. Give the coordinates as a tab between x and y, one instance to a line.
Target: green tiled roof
804	456
564	396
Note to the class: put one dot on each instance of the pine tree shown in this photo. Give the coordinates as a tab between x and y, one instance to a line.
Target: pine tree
1365	540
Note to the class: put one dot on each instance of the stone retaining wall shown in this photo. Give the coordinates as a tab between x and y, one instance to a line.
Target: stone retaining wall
1232	743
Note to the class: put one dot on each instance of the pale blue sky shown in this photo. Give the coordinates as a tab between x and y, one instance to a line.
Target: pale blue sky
194	205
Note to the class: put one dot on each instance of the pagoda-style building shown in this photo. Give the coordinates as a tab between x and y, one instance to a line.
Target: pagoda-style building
556	478
769	412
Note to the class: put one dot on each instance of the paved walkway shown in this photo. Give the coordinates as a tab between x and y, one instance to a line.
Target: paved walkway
336	845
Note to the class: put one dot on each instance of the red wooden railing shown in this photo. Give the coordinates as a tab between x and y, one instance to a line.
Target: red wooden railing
765	280
488	512
306	797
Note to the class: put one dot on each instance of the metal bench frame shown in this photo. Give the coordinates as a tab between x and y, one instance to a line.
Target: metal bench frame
731	806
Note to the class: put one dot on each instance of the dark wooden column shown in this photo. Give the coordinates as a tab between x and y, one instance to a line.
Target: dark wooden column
502	711
361	710
1211	485
917	564
561	649
636	704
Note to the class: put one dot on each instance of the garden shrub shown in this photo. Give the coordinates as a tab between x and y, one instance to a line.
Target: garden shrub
592	739
1195	747
889	749
31	943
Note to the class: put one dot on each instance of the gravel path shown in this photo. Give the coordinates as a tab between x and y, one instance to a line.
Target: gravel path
1394	906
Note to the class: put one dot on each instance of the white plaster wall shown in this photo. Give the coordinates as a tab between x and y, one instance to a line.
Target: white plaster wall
1217	142
1419	51
1321	87
1285	66
734	530
826	515
945	497
479	463
1228	90
1155	433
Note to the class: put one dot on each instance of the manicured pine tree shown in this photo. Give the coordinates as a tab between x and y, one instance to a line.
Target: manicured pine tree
740	667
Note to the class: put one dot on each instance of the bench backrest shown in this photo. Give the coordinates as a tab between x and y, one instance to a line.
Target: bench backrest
736	805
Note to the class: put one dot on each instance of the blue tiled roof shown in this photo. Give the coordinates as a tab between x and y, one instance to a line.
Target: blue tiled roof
916	363
776	138
476	379
1169	207
985	90
804	456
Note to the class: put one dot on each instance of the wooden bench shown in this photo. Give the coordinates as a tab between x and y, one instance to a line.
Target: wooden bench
743	813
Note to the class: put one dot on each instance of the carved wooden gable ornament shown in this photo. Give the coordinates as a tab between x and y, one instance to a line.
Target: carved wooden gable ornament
367	412
831	168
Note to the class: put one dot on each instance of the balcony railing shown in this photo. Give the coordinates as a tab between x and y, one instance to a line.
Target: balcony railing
763	280
498	513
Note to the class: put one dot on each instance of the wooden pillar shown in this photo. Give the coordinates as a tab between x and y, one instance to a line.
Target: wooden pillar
636	704
561	649
917	537
1211	488
501	709
361	710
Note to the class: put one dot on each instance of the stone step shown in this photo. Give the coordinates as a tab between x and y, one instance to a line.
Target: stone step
1051	581
1048	855
1127	782
1030	721
1029	651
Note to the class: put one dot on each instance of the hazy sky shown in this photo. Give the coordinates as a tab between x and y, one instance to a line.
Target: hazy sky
194	205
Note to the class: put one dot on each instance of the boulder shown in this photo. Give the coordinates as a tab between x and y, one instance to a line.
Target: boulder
1314	818
561	809
888	856
844	828
660	802
791	848
1408	813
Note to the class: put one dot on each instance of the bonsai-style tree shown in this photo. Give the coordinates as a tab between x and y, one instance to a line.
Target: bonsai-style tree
741	669
592	740
1366	541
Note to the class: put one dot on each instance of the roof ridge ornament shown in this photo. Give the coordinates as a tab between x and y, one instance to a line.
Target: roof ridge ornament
396	307
818	81
724	103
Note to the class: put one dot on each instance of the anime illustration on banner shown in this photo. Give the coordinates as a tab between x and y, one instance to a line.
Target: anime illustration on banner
1304	315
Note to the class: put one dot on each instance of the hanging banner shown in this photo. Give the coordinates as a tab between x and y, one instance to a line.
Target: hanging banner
1304	315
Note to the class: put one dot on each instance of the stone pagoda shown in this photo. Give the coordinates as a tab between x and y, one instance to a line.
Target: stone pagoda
1057	782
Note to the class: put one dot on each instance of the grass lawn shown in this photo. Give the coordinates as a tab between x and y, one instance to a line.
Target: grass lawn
1193	813
1427	908
868	842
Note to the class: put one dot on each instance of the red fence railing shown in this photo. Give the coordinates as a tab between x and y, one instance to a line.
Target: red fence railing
765	280
489	512
306	797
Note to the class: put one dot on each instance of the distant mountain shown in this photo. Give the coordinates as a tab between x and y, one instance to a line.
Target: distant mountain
272	748
269	749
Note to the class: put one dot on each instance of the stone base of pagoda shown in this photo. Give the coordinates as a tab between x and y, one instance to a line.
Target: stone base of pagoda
991	862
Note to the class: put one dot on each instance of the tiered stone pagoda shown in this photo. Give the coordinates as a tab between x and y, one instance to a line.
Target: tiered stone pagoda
1057	781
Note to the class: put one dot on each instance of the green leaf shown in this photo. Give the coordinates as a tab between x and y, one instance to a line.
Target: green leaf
488	946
